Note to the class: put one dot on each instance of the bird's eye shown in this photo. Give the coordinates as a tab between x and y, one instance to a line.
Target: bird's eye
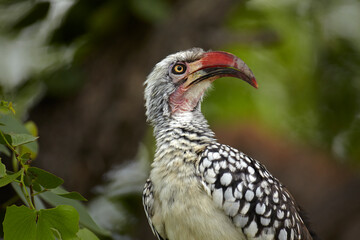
178	69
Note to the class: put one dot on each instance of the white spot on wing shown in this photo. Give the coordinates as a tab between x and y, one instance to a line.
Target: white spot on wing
216	155
249	195
282	234
247	159
231	160
287	223
211	173
251	170
268	213
210	156
223	164
240	221
232	168
245	208
209	179
206	162
252	178
218	197
229	195
231	208
226	179
276	196
237	194
243	164
251	230
251	186
260	208
280	214
264	221
216	166
240	187
259	192
268	233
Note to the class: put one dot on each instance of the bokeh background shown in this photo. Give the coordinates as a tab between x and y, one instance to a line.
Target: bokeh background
76	68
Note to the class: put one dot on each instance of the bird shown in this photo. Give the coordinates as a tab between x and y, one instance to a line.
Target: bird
199	189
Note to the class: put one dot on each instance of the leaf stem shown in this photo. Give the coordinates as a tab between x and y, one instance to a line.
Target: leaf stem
32	195
8	144
42	191
25	192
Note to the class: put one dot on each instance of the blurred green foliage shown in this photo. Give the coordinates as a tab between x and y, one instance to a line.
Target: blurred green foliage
37	13
309	78
308	73
100	19
305	56
62	35
34	186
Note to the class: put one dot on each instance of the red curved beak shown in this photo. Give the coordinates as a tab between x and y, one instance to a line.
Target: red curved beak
214	65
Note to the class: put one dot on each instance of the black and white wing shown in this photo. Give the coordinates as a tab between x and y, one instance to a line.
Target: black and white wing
148	202
256	202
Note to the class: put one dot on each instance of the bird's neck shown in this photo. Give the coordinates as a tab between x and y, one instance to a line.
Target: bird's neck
180	139
182	134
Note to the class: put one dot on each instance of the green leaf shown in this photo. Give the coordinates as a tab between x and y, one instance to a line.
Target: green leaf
73	195
86	234
85	219
27	180
19	223
2	170
38	201
23	223
4	149
25	149
7	105
5	139
56	233
13	125
10	178
18	139
32	128
25	158
10	106
64	219
37	187
44	178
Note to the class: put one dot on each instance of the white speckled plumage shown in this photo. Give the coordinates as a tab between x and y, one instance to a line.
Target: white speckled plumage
199	189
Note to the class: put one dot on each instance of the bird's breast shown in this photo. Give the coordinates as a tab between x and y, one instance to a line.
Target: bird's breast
181	204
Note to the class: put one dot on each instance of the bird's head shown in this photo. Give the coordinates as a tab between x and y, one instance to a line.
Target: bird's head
177	84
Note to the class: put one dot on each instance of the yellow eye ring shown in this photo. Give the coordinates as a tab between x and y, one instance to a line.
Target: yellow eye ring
178	68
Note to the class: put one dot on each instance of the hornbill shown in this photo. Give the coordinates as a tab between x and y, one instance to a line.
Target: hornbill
199	189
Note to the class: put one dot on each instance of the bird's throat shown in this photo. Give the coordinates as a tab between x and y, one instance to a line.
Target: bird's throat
187	99
181	101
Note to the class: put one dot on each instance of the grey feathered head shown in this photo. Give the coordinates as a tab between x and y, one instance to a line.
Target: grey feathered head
177	84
